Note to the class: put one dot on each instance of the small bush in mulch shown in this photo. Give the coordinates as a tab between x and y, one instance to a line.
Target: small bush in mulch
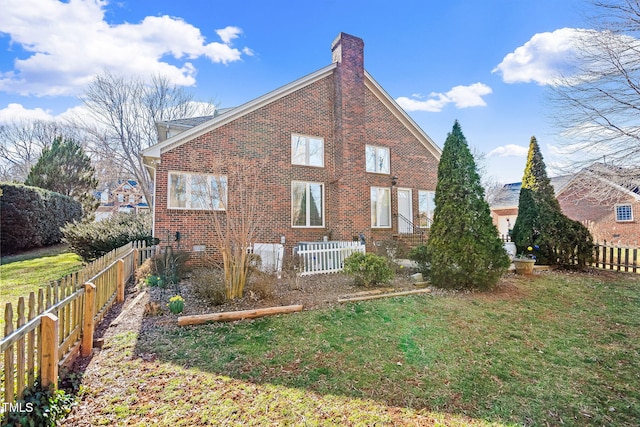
163	269
368	269
208	284
261	284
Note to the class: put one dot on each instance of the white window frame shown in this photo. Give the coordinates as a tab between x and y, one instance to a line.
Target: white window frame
211	180
430	208
376	152
375	214
307	185
307	140
628	206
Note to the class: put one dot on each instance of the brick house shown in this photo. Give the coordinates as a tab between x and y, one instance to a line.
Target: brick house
605	199
344	160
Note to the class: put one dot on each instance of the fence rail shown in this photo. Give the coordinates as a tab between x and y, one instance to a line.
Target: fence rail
55	326
325	257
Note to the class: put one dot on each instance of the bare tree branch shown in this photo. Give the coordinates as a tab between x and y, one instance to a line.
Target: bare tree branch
597	107
22	141
124	113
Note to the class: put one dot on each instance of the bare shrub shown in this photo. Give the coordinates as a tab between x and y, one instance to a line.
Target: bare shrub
208	284
291	272
262	284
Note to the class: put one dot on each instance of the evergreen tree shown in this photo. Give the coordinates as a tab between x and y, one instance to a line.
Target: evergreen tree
541	224
466	252
66	169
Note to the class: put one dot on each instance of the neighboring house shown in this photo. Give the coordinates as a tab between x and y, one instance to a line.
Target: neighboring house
344	160
125	197
605	199
504	207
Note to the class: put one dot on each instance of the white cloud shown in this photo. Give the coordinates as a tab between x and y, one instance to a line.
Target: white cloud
227	34
460	96
67	43
509	150
17	113
543	59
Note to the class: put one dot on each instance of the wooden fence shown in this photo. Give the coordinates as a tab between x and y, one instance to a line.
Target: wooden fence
55	326
619	258
325	257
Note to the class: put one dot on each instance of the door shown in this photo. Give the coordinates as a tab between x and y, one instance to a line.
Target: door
405	211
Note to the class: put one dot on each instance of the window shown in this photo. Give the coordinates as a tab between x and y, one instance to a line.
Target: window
307	150
624	213
377	159
380	207
426	205
307	204
197	191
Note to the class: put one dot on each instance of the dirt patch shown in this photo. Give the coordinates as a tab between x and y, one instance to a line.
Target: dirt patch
313	292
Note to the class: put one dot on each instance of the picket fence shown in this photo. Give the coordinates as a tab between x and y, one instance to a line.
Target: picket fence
325	257
57	325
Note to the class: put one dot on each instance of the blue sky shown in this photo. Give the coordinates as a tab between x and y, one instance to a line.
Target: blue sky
486	63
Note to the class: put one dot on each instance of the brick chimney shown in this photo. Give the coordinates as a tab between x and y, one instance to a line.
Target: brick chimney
351	189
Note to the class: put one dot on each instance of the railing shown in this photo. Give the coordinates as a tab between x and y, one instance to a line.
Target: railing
325	257
619	258
57	325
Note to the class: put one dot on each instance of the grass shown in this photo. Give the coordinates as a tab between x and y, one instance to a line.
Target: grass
26	272
551	350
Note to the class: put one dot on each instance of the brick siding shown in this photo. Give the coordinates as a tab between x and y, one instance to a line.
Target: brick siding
338	108
600	217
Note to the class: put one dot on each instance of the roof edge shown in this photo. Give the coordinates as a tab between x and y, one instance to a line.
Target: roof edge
156	150
402	115
603	180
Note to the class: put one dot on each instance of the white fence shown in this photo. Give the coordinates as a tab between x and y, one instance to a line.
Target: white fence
325	257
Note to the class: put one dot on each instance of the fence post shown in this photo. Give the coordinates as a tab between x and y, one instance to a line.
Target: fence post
136	260
8	355
120	274
49	361
87	324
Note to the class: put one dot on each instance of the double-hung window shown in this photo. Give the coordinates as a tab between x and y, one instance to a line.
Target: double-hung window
426	205
307	150
307	204
624	213
377	159
380	207
197	191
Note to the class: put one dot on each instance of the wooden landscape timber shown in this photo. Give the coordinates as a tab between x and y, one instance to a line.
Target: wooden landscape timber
391	294
236	315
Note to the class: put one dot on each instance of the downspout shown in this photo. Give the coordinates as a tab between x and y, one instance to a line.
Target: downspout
151	166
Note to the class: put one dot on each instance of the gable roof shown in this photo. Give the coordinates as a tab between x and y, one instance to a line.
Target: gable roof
206	124
624	180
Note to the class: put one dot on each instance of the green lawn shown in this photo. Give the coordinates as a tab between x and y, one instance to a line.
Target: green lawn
24	273
557	349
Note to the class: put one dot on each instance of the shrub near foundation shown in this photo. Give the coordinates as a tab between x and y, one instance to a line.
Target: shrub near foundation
208	284
368	269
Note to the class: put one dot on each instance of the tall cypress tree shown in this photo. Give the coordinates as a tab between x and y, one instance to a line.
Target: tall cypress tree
466	252
541	223
66	169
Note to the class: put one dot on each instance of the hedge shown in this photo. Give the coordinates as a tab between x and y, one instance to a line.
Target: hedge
94	239
31	217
